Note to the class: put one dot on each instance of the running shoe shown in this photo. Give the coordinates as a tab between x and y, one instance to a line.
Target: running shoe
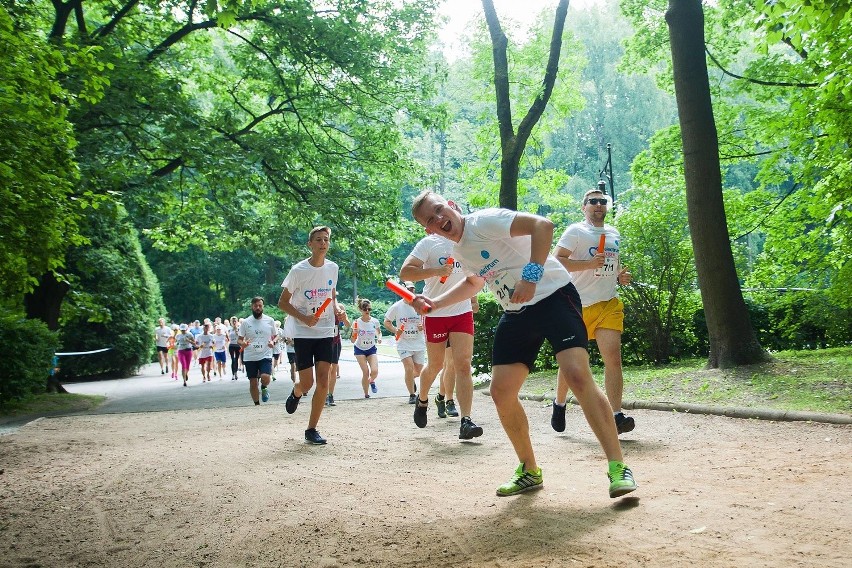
624	423
373	387
313	437
451	408
557	419
420	409
292	402
442	407
469	430
331	400
620	479
521	481
366	396
162	372
412	399
264	394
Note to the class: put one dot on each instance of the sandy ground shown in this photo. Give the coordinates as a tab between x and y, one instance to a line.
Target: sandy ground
239	487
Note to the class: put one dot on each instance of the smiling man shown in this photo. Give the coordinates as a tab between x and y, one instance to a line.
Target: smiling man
509	251
596	274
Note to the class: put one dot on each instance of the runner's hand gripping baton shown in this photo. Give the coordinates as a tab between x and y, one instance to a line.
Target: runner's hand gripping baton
322	308
403	293
451	261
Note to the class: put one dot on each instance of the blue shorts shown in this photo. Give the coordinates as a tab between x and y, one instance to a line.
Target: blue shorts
557	318
255	369
220	356
371	351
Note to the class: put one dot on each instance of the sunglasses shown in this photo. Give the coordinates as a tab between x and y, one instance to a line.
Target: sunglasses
366	309
596	201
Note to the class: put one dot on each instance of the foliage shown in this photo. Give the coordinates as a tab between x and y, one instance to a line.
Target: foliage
37	168
115	299
26	373
781	82
811	380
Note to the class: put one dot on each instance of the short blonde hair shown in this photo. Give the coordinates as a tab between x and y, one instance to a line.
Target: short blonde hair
419	199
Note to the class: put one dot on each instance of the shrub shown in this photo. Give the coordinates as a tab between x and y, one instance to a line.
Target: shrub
26	373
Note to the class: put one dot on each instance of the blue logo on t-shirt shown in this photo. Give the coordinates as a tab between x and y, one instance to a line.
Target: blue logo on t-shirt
329	282
485	254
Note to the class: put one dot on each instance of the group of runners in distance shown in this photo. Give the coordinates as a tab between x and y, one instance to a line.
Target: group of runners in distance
565	296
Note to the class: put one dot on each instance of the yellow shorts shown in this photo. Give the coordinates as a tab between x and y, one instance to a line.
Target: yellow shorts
606	315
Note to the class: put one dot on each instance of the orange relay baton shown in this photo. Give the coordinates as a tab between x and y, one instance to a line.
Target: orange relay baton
602	244
322	308
403	293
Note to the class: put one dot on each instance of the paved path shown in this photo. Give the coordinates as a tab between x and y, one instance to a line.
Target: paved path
150	391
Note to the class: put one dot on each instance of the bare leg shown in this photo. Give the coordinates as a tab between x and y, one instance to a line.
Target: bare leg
506	382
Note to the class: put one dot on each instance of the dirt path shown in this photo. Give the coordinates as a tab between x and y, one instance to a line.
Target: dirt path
238	487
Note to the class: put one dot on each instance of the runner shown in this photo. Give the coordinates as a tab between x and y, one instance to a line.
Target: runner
366	334
220	341
509	251
407	325
234	349
341	320
257	338
305	290
429	261
162	333
205	352
185	345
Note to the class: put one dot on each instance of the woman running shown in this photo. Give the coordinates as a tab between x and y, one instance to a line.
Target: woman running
366	333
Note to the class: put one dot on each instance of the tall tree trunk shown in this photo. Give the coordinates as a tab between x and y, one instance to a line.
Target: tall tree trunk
512	145
732	338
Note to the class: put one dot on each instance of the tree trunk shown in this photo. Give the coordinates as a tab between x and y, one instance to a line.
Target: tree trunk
511	144
45	301
732	338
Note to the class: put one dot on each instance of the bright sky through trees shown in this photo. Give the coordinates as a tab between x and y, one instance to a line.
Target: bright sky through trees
461	12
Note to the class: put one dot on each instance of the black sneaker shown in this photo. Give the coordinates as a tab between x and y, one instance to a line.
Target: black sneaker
451	408
313	437
412	399
442	407
292	402
420	413
624	423
469	430
557	420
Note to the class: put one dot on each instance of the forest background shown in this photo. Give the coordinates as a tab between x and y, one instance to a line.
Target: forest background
167	159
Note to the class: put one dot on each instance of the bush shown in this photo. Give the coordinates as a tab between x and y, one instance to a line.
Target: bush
26	373
114	301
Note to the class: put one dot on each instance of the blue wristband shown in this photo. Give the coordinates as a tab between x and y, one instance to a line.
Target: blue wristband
532	272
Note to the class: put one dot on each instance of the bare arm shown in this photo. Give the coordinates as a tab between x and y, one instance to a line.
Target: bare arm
413	269
467	288
540	230
574	265
290	309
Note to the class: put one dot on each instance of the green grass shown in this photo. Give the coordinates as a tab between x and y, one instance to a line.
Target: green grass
818	381
47	404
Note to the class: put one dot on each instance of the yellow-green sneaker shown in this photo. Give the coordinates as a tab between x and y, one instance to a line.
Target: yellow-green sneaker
521	481
620	479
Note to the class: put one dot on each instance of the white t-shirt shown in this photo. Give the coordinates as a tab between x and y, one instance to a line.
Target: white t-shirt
367	333
412	338
279	346
258	332
310	286
434	251
219	342
205	344
161	335
486	249
582	239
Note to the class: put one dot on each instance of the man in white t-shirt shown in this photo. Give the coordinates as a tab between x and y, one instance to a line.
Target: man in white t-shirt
257	339
162	333
407	325
595	274
309	297
509	251
429	261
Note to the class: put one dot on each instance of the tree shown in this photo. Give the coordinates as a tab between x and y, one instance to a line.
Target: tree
732	338
37	168
229	125
512	144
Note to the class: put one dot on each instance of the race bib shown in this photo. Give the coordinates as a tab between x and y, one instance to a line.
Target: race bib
503	287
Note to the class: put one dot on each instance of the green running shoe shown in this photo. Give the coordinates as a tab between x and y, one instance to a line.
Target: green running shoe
620	479
521	481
